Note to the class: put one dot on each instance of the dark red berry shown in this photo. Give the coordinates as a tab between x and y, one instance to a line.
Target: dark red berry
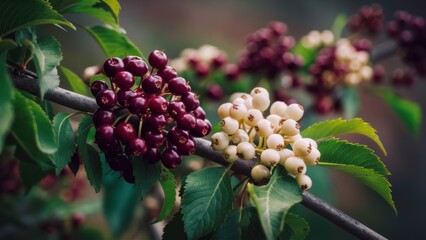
202	69
232	71
123	96
158	105
167	73
98	86
105	134
185	121
102	116
190	100
158	59
119	161
199	113
219	60
278	28
156	122
136	146
110	148
128	175
176	108
154	139
152	84
77	219
177	136
137	67
124	79
171	158
152	155
113	66
202	128
128	59
179	86
215	92
125	132
106	99
187	148
138	105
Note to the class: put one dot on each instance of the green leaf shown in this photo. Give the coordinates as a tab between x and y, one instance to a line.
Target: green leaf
409	112
31	174
274	200
331	128
339	24
47	55
76	83
103	10
22	54
168	183
17	14
6	97
33	131
6	45
113	43
174	228
350	101
89	233
146	175
299	226
308	54
206	201
119	203
91	159
358	161
66	141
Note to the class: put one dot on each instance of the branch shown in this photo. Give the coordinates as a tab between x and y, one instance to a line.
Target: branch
383	51
26	81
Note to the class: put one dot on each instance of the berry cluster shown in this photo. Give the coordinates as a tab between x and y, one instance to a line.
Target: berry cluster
316	39
368	19
410	32
243	125
155	98
268	51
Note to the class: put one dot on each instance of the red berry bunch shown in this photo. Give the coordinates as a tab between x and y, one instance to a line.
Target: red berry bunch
155	98
368	19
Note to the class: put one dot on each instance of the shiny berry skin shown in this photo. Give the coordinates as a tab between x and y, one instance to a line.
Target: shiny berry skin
199	113
124	79
128	175
152	155
187	148
157	59
113	66
177	136
171	158
154	139
179	86
102	116
106	99
156	122
128	59
202	128
167	73
105	134
137	68
98	86
176	108
152	84
190	100
136	147
123	96
158	105
186	121
125	132
138	105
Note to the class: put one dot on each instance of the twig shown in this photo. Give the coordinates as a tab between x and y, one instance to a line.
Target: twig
383	50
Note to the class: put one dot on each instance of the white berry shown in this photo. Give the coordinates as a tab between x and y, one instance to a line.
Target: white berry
294	111
261	101
275	120
312	142
270	157
238	101
230	153
304	181
240	136
220	141
290	127
259	173
278	108
275	141
238	111
313	157
223	110
252	117
302	147
264	128
229	125
284	154
245	150
295	165
259	90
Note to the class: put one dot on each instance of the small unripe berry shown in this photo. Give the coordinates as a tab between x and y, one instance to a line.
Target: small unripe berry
220	141
238	101
260	173
270	157
278	108
294	138
259	90
240	136
290	127
312	142
313	157
223	110
245	150
294	111
230	153
284	154
252	117
295	165
238	111
302	147
229	125
261	102
275	141
276	121
264	128
304	182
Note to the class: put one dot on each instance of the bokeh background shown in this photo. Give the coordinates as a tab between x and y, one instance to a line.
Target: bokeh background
175	25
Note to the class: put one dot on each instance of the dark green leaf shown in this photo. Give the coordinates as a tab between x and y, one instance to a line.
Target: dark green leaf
146	175
119	203
17	14
100	9
339	25
206	201
113	43
168	183
31	174
22	54
6	45
76	83
298	225
409	112
90	233
33	131
66	141
331	128
6	96
350	101
358	161
274	200
174	228
47	56
91	159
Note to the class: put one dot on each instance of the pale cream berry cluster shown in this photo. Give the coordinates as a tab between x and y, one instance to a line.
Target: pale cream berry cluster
273	140
317	39
205	55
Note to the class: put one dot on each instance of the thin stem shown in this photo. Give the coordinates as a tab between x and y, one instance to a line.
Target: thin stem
119	118
128	117
140	126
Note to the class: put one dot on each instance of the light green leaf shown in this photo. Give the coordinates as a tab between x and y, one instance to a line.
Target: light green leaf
91	159
146	175
409	112
119	203
6	97
308	54
66	141
358	161
76	83
350	101
17	14
168	183
174	228
100	9
206	201
339	24
299	226
114	5
274	200
331	128
113	43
